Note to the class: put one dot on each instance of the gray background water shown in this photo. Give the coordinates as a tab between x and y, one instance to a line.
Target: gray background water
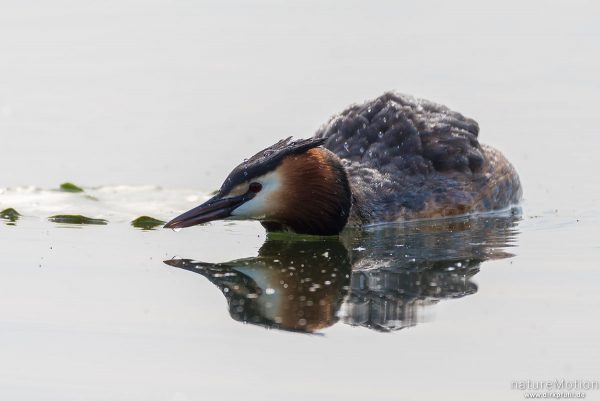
176	93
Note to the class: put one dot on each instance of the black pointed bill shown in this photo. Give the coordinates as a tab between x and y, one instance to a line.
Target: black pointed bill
215	208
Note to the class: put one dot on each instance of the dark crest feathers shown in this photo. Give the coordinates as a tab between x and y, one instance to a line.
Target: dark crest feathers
267	160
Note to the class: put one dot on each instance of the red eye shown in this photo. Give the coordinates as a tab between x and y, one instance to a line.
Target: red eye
255	187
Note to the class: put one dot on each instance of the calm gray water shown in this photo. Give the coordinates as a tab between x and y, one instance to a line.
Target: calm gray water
148	105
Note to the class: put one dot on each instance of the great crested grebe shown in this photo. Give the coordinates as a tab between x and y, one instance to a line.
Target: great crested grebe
391	159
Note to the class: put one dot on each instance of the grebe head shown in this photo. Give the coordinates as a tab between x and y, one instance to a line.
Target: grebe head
290	186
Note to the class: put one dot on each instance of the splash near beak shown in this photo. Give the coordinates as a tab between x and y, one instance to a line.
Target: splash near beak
215	208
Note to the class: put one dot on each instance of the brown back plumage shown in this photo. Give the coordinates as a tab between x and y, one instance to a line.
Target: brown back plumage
409	158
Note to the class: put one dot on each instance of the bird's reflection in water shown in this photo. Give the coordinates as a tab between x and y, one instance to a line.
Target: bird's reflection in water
379	278
291	285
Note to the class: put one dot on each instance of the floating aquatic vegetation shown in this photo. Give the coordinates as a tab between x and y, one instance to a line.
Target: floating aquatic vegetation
10	214
70	187
147	223
75	219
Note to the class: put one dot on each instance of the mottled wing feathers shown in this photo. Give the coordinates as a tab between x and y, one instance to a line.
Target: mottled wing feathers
397	132
267	160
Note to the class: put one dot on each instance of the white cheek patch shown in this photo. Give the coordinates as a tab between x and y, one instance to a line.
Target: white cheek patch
258	207
237	191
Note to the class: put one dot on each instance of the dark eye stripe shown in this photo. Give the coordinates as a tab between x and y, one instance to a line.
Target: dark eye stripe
255	187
